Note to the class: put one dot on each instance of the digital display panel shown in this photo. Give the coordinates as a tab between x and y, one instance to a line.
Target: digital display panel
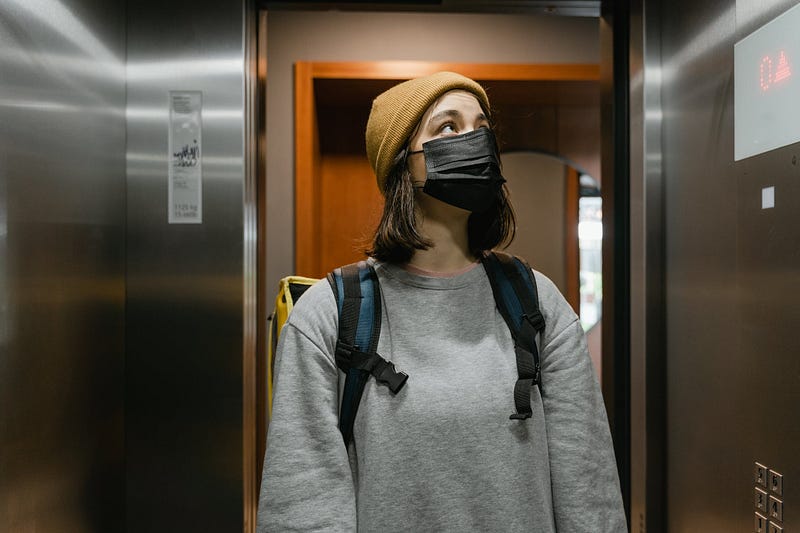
767	87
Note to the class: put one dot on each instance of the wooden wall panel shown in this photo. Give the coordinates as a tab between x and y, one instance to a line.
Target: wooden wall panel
476	71
350	208
306	169
579	137
571	244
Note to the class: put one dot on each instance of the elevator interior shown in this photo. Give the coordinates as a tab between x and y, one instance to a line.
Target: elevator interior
128	345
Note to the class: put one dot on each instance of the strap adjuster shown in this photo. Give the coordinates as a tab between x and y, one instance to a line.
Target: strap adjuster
345	355
537	321
383	371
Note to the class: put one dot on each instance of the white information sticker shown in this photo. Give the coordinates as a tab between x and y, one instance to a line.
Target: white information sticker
185	197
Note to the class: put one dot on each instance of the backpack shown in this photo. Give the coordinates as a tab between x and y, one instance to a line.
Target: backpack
290	289
358	298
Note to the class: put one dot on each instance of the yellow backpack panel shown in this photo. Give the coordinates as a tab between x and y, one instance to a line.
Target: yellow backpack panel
290	289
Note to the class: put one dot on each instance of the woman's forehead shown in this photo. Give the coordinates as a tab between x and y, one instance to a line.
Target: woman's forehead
455	99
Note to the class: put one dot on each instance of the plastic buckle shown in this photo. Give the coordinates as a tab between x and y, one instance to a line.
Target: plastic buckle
386	374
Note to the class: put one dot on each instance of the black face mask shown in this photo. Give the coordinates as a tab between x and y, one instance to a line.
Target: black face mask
463	170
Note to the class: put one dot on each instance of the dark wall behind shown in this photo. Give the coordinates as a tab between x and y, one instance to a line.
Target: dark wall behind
62	265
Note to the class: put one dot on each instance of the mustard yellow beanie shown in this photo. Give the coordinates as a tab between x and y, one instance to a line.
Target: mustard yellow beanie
397	111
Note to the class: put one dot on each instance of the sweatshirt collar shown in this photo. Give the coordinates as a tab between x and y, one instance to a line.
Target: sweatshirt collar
424	280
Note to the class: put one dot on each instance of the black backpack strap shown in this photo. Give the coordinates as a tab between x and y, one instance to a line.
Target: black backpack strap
517	299
358	297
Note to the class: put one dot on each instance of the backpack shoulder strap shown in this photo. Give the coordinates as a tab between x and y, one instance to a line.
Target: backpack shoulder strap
358	297
517	299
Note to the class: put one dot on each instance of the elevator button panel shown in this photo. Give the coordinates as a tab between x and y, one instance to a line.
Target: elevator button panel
767	499
775	509
775	483
760	474
760	525
762	500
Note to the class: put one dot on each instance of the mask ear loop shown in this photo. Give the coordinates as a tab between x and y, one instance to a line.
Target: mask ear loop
406	153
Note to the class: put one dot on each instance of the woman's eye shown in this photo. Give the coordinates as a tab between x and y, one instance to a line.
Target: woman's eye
447	128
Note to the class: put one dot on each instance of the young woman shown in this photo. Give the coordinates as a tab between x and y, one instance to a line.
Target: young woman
441	454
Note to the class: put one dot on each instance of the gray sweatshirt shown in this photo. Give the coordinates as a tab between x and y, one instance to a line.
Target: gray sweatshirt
441	455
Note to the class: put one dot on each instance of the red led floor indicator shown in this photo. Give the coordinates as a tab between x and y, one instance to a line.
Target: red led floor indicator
766	73
766	87
770	74
784	71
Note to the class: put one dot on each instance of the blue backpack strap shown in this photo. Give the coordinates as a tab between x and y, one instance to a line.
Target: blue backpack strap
358	297
517	299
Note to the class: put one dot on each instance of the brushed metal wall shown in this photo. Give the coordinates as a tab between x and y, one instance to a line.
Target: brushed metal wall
62	265
185	299
647	330
732	281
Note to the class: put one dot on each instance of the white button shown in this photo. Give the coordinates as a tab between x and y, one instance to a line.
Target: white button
767	197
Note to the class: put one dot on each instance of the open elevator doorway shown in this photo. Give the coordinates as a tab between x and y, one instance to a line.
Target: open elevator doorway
548	128
550	116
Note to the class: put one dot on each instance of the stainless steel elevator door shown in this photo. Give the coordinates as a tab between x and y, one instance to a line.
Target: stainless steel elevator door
732	282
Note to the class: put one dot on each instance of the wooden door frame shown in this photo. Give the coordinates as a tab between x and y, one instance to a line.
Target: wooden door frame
306	139
571	243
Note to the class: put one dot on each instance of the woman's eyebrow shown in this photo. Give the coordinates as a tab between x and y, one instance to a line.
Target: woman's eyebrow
447	113
454	114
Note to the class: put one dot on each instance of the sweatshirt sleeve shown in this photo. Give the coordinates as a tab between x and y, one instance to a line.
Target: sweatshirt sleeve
307	484
583	469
